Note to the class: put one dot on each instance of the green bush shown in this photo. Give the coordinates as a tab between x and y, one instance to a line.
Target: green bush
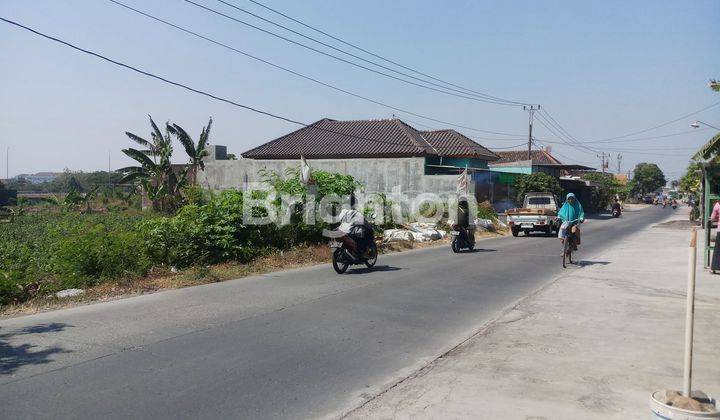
486	211
94	252
43	253
537	182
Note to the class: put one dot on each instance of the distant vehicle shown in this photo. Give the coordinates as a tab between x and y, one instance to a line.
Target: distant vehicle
538	213
648	199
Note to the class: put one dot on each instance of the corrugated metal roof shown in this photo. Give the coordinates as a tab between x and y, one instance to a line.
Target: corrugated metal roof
367	139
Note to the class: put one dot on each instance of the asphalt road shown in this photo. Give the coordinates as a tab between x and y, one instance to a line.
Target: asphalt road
303	343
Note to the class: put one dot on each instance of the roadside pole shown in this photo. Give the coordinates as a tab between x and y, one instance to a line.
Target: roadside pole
690	315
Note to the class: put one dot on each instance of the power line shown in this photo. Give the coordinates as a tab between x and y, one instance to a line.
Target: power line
357	56
430	127
342	59
184	86
509	147
562	129
643	138
379	56
295	73
548	126
663	124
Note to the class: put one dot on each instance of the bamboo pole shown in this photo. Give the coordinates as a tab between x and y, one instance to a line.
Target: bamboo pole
690	315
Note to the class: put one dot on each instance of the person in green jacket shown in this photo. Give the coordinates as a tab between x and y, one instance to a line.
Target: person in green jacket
571	214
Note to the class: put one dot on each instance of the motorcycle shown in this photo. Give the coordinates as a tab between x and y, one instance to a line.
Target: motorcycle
616	212
463	238
343	258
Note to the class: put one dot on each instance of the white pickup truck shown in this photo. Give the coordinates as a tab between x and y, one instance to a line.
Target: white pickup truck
538	213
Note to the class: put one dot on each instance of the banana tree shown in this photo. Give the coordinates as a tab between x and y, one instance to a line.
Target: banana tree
160	182
195	151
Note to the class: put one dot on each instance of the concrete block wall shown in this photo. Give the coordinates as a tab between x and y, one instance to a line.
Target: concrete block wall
377	175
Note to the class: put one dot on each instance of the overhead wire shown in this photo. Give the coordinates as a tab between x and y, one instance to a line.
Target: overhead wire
352	63
663	124
304	76
377	55
325	44
185	86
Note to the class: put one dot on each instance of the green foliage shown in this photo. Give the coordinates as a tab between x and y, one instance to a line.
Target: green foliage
647	177
194	195
88	253
486	211
690	182
608	189
537	182
196	152
42	253
161	182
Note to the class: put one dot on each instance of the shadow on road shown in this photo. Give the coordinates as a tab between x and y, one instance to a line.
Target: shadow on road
600	216
14	356
589	263
472	251
370	270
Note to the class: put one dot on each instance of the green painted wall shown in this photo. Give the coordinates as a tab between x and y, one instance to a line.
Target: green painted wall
513	169
453	161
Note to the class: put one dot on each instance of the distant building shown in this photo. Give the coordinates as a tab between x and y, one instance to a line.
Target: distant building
38	178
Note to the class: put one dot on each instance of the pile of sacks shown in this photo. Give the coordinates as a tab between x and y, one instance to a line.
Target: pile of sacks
414	232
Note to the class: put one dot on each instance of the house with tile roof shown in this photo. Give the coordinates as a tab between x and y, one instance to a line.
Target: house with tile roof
516	161
381	154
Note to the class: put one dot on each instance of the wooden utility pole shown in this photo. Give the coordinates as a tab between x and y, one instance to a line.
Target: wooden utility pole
531	111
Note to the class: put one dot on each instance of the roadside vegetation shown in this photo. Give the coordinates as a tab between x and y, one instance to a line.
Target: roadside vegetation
94	235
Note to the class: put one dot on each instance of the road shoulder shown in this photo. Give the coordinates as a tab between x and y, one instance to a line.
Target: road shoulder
593	344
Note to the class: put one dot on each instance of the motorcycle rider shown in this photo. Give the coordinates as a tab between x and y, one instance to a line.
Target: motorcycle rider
616	206
571	212
356	229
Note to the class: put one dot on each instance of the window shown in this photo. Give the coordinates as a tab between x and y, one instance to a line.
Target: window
539	201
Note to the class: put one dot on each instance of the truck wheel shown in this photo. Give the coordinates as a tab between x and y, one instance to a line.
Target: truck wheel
515	231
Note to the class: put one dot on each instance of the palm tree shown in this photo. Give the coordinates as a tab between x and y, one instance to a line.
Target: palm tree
196	152
156	175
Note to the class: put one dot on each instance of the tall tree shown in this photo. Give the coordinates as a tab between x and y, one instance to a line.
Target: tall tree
195	151
690	182
647	177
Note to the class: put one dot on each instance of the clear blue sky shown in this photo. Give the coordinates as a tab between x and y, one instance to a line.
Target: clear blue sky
602	69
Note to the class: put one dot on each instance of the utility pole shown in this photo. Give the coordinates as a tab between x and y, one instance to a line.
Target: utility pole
7	163
619	160
604	165
531	111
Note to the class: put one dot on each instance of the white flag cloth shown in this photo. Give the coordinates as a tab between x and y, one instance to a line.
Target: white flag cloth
462	182
305	173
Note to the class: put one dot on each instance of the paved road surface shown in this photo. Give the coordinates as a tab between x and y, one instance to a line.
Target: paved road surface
295	344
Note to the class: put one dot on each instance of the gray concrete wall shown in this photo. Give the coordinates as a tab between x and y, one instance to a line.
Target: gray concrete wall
377	175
